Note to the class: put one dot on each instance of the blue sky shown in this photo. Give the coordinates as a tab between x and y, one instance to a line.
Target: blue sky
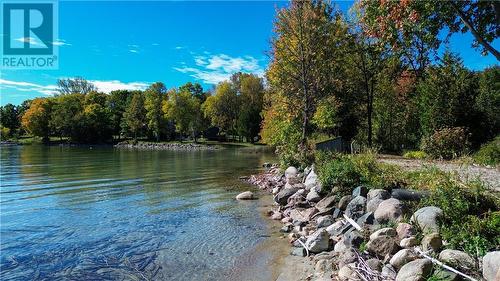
132	44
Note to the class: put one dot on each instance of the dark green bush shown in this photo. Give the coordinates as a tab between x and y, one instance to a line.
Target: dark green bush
447	143
489	154
339	173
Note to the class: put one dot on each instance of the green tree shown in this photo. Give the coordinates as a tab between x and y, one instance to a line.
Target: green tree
195	89
304	59
154	97
488	101
117	102
9	118
222	108
134	120
66	115
185	110
251	92
95	121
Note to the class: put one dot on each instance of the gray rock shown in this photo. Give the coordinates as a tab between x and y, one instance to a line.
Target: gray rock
346	257
346	273
277	216
372	204
377	193
287	228
325	203
432	242
311	181
335	228
389	210
491	266
403	257
340	247
337	213
387	231
353	239
319	241
375	264
291	172
457	259
298	251
382	245
428	218
324	221
282	196
360	191
247	195
344	201
408	242
406	194
388	272
365	219
302	215
417	270
356	208
313	196
404	230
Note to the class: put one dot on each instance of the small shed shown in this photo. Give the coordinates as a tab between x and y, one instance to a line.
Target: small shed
337	144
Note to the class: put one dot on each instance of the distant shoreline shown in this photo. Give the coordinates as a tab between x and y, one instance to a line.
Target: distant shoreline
166	146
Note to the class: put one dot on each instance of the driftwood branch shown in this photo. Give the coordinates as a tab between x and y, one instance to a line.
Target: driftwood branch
353	223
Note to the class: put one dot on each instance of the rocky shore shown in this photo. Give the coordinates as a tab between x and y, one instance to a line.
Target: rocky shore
364	236
166	146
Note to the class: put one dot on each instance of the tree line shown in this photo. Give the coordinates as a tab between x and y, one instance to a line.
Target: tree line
82	114
377	76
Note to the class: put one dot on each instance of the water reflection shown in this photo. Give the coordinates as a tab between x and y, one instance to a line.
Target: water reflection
84	214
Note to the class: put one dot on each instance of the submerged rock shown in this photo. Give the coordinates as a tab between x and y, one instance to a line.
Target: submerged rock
247	195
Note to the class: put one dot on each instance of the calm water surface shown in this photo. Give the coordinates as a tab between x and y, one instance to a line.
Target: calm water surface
109	214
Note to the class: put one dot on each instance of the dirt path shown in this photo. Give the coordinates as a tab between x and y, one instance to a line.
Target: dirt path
491	176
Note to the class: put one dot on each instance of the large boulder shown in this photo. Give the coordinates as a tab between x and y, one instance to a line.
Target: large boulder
403	257
356	208
427	218
491	266
282	196
319	241
389	210
247	195
325	203
457	259
382	245
408	242
417	270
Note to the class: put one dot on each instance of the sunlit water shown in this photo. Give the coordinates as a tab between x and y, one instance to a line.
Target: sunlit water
109	214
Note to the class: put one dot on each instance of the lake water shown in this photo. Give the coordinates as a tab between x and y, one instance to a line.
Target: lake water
77	213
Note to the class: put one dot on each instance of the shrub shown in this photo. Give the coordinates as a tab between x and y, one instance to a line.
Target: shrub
447	143
489	154
415	154
339	173
4	133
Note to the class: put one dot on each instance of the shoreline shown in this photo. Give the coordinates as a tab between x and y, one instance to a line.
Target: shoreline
166	146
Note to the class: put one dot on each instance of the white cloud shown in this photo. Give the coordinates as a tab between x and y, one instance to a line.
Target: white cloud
105	86
30	40
133	51
212	69
112	85
60	42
